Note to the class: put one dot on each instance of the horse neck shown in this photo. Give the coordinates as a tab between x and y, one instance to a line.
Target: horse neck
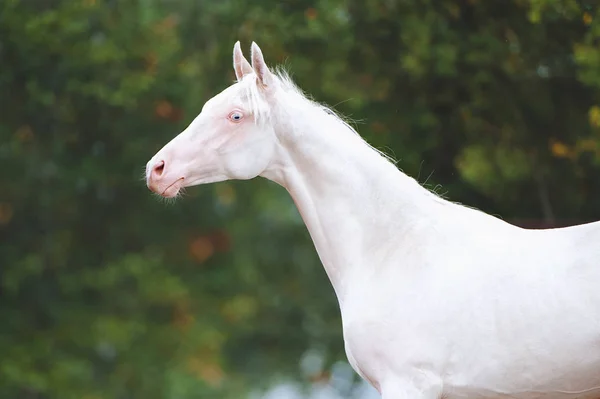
357	206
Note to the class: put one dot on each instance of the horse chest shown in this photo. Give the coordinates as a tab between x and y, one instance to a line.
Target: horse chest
367	344
364	343
381	337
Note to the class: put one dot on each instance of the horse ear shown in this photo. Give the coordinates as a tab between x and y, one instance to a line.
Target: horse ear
241	66
260	67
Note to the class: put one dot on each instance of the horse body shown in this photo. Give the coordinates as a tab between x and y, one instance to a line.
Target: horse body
514	317
437	299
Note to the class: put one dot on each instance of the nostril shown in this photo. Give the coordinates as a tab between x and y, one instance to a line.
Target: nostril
159	168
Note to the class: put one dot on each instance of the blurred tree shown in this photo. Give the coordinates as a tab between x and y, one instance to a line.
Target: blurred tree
105	292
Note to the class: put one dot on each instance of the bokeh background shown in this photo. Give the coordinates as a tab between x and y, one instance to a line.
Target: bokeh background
108	292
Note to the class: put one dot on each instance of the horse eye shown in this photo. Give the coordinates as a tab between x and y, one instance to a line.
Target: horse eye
235	116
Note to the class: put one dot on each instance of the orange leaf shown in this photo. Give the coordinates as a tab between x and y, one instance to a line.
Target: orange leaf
6	213
559	150
163	109
211	373
311	13
24	133
182	317
594	115
201	249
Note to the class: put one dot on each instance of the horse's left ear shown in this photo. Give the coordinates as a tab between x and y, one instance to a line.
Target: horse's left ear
260	67
240	64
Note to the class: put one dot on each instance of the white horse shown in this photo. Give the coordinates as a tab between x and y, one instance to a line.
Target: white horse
437	300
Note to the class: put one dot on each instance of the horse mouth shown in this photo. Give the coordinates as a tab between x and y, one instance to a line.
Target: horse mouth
172	189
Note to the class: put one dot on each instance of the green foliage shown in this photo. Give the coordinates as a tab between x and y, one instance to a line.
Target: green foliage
106	292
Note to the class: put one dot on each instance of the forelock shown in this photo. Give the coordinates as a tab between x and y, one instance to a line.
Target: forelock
255	100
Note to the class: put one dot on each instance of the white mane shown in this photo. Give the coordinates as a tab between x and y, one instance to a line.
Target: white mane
262	110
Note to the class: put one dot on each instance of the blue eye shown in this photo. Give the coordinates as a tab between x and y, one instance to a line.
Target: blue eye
235	116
